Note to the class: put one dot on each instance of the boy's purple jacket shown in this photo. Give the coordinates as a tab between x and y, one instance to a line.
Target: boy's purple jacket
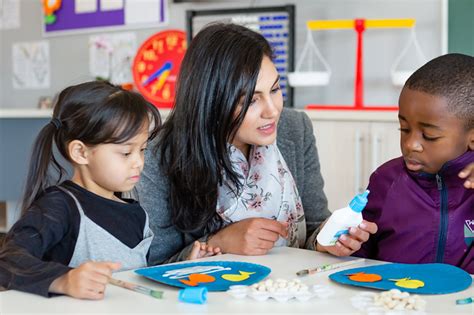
421	218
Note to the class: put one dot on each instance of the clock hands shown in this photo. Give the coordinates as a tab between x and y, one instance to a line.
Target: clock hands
166	67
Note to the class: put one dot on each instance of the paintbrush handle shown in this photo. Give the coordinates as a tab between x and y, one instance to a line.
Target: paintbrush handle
135	287
329	267
122	284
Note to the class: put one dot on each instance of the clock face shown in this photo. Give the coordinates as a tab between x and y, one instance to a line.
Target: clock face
156	66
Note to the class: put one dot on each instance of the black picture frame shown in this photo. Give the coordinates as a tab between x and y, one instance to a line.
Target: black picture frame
287	9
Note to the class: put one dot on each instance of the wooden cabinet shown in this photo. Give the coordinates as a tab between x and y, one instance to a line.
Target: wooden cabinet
351	146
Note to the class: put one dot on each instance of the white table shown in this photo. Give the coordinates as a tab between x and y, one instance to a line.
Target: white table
284	262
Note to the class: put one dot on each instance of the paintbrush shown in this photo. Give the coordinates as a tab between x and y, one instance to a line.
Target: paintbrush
137	288
327	267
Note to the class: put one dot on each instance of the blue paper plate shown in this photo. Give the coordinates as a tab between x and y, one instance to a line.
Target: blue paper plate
171	274
438	278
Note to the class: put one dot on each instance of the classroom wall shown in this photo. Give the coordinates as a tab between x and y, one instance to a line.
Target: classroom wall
70	65
461	26
69	54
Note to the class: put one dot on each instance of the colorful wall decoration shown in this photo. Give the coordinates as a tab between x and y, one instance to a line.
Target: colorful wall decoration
61	16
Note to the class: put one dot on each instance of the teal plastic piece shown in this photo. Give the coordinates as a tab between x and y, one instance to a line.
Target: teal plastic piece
196	295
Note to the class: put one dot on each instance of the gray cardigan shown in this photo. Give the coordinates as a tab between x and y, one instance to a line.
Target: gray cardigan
297	145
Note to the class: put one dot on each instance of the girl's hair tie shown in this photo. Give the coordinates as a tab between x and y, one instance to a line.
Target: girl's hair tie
56	122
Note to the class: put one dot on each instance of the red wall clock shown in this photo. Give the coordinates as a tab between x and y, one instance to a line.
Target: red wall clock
156	66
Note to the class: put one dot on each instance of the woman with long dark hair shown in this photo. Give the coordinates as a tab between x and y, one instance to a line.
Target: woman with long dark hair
219	173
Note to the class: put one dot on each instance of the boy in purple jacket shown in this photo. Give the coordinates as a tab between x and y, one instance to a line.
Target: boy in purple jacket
423	208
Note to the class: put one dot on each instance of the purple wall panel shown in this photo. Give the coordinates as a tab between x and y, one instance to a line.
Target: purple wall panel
67	19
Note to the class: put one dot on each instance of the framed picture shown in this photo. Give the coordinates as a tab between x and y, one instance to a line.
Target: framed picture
276	24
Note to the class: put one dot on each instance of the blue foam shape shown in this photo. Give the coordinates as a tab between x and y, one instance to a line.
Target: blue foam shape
156	273
438	278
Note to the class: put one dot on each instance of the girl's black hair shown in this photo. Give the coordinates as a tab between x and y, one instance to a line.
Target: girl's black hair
95	113
217	79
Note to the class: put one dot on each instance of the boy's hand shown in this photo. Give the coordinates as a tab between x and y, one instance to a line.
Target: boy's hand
348	244
468	174
201	250
87	281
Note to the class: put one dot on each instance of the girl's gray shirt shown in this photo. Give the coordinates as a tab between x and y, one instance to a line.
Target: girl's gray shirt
297	144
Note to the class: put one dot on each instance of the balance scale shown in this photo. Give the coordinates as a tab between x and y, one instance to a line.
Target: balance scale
311	78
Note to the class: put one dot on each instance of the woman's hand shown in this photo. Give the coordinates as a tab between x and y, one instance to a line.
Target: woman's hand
255	236
201	250
87	281
468	174
347	244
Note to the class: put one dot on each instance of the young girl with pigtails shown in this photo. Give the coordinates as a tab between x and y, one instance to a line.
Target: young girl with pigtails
73	235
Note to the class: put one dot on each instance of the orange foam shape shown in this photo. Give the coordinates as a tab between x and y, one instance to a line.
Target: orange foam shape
365	277
196	278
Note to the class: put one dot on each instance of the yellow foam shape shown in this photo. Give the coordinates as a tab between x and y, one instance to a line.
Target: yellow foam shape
243	275
408	283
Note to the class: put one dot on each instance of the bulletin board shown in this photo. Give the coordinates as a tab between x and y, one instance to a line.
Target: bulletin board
79	16
276	24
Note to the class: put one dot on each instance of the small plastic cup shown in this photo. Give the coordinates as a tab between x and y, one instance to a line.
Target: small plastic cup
238	291
193	295
260	295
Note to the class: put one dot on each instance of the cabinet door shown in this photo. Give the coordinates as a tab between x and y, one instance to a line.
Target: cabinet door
384	143
342	147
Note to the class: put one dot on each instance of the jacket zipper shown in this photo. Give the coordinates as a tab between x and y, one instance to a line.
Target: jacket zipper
443	220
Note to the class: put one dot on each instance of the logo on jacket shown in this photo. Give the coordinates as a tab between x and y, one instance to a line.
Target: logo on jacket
470	225
469	232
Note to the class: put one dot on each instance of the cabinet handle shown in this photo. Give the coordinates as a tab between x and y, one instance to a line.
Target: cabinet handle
375	151
357	161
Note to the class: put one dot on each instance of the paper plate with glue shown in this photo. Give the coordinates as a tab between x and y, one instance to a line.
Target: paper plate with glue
413	278
215	275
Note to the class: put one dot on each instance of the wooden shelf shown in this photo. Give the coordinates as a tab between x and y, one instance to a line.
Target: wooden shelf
25	113
44	113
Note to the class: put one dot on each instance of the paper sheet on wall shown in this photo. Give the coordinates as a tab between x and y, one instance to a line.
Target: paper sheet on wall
9	14
142	12
85	6
31	65
110	5
111	56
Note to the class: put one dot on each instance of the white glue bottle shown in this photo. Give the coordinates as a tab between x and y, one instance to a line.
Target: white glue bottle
342	219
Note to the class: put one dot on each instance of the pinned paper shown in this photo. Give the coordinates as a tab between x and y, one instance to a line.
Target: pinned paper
85	6
9	14
143	11
111	5
111	56
31	66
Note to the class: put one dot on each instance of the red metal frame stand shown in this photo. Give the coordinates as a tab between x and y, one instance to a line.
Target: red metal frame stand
359	26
